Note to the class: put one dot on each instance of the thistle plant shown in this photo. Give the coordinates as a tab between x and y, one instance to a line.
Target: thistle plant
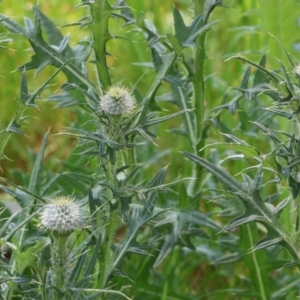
126	227
116	120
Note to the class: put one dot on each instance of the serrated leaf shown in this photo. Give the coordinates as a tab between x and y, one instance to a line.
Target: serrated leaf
137	250
241	220
181	98
228	258
34	177
289	84
281	206
169	243
22	198
260	76
14	127
285	114
246	150
150	122
125	12
231	183
245	80
162	64
272	76
187	34
11	233
44	53
267	242
256	208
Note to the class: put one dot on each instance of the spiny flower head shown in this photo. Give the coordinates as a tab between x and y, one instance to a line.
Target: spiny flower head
117	101
62	215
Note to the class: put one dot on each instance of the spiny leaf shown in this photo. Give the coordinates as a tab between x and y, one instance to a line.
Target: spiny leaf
274	77
33	182
163	119
44	53
247	150
231	183
241	220
267	242
182	99
169	243
256	208
14	127
187	35
228	258
162	64
259	76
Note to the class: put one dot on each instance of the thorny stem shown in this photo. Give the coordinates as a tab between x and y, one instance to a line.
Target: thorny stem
107	255
198	80
199	95
106	258
59	263
101	12
199	90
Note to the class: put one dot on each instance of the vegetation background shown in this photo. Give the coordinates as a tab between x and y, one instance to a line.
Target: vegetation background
246	28
242	29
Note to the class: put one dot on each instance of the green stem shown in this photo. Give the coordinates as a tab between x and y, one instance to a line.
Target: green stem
129	156
59	263
199	93
256	266
101	12
107	255
199	96
198	80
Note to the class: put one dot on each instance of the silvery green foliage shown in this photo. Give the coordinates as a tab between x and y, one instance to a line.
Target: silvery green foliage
114	198
281	164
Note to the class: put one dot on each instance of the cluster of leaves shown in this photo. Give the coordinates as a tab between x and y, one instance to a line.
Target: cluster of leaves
263	172
96	256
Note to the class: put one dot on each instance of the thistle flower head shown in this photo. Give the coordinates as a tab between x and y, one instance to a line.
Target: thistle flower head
117	101
62	215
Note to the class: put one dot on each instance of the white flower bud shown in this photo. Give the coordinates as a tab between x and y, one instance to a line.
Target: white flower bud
62	215
117	101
